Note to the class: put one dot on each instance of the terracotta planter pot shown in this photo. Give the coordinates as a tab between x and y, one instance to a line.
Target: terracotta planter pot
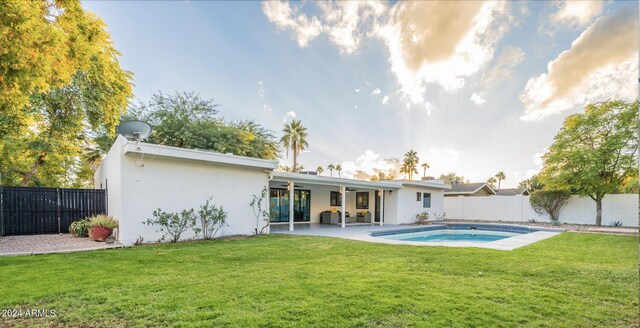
90	233
101	233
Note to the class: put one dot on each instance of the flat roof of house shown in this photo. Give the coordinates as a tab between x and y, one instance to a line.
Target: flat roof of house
332	181
198	155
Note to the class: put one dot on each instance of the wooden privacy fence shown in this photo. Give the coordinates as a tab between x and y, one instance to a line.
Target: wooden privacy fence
31	210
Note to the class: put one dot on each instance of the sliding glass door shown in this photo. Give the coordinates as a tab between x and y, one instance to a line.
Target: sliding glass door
279	205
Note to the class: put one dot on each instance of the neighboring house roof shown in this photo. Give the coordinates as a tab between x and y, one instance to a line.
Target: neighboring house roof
469	188
512	192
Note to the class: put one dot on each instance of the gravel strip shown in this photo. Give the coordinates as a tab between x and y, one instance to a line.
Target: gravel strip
46	244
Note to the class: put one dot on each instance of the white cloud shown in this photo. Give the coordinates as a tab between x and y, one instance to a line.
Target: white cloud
267	108
445	48
577	13
367	165
341	21
502	70
289	115
356	90
287	18
385	100
477	99
375	92
601	64
446	152
441	42
261	91
538	158
355	107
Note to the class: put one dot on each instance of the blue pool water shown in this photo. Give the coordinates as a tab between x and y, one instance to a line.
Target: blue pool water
449	235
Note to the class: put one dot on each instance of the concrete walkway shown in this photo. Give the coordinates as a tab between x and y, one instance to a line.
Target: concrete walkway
363	233
48	244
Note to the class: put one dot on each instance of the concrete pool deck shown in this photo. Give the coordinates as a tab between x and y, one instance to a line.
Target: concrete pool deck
363	232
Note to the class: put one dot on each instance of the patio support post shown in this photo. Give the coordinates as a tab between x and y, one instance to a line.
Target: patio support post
291	198
343	194
381	206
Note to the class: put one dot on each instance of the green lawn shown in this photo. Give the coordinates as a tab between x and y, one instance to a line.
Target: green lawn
571	280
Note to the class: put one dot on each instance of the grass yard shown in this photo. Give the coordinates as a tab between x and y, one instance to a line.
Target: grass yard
571	280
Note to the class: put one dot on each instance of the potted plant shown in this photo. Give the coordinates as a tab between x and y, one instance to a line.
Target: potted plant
80	228
102	227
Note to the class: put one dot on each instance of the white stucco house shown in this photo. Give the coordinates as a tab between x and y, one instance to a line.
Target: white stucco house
141	178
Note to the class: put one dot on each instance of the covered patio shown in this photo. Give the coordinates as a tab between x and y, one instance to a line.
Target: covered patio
321	202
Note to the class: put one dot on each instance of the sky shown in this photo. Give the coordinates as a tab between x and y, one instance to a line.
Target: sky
473	87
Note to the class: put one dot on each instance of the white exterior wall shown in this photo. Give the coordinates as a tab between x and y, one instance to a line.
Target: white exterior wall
407	206
579	210
174	185
108	176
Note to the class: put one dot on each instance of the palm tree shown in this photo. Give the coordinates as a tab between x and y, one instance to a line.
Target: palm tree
339	168
410	163
500	176
425	166
492	182
319	170
331	167
294	139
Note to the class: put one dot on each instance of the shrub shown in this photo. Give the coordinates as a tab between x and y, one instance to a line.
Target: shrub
212	219
533	221
104	221
80	228
172	224
259	212
422	218
550	202
616	224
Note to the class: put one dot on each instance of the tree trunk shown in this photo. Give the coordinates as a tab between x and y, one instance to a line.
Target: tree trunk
295	158
34	169
598	212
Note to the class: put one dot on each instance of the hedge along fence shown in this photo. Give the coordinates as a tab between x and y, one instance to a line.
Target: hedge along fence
32	210
578	210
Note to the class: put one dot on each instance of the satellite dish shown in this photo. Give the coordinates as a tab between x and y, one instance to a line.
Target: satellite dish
134	130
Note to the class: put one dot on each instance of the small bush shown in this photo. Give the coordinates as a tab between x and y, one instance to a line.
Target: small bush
616	224
533	221
422	218
172	224
104	221
80	228
262	216
212	219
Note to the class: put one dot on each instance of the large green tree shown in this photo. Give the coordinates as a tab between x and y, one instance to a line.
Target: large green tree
60	83
294	139
188	121
594	152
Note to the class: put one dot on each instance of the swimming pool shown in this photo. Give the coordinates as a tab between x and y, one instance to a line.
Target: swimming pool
465	234
446	235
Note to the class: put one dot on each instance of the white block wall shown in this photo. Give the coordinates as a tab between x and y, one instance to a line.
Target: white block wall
579	210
